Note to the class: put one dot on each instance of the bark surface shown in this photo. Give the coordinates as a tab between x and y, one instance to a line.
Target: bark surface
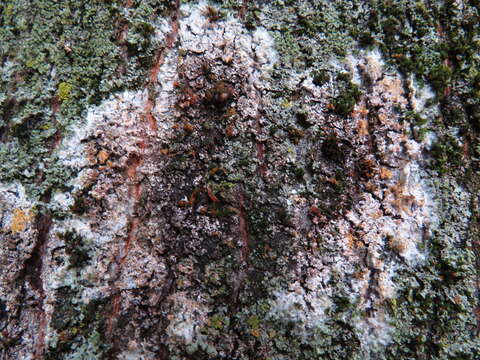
239	179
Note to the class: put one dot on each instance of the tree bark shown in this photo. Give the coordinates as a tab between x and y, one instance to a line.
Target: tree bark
239	180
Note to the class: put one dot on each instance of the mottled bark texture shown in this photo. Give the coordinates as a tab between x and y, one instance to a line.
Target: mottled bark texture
239	179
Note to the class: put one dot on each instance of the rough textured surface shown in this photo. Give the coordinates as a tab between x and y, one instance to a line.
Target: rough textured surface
239	180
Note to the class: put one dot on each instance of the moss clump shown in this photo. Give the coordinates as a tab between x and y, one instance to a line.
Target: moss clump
77	325
440	77
74	247
332	150
348	96
320	77
447	155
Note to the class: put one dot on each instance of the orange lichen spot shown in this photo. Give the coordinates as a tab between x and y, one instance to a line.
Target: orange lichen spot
315	211
333	181
193	197
211	13
397	56
142	144
189	98
211	195
164	151
330	106
231	111
230	131
220	94
360	111
371	187
255	332
216	170
20	220
404	203
182	203
397	244
177	84
192	153
227	59
385	174
361	274
188	128
362	128
367	168
350	240
102	156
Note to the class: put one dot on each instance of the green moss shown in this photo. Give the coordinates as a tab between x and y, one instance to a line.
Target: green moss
320	77
440	77
348	96
432	313
447	155
75	249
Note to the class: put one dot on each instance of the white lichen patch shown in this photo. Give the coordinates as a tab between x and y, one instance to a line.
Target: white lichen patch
305	309
187	318
393	211
120	153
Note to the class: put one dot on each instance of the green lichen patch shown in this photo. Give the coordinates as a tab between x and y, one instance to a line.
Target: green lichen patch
78	327
60	58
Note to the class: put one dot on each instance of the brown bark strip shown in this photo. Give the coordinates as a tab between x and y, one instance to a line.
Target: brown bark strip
243	9
243	266
57	137
158	62
243	225
135	188
34	270
261	158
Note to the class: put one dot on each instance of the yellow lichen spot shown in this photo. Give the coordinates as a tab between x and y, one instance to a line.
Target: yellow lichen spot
20	220
31	63
9	10
254	323
385	173
102	156
286	104
64	90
